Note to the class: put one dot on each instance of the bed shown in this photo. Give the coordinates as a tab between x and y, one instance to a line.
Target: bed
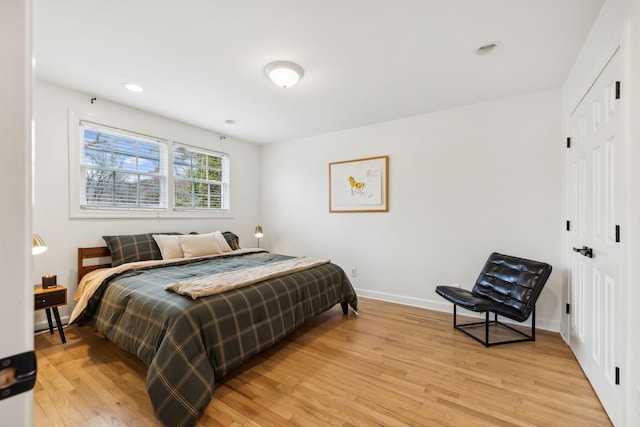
188	342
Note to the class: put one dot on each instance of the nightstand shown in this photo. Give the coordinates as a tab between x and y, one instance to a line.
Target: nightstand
49	299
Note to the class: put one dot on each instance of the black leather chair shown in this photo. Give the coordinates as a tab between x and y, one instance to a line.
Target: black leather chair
507	286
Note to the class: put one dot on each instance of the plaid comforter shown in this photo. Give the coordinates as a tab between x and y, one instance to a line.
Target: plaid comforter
188	343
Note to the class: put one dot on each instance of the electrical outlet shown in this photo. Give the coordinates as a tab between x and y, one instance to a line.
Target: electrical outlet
354	272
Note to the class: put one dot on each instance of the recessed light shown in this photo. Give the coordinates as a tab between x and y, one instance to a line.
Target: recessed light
488	48
132	87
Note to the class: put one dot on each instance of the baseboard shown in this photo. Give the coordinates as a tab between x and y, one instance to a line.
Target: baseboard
565	338
384	296
44	326
447	307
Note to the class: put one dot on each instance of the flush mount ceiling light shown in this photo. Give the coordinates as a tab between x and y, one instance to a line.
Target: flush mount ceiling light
132	87
284	73
488	48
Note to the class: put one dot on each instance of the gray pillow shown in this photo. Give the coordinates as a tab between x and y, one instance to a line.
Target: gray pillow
232	240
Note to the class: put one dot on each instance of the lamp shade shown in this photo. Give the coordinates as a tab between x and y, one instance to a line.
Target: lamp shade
39	245
259	232
284	73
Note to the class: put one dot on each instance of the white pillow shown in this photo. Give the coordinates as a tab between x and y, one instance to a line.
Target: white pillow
169	246
195	245
222	242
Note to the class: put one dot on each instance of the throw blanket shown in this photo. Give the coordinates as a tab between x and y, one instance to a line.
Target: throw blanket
222	282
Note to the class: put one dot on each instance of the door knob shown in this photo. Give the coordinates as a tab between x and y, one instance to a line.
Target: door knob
584	251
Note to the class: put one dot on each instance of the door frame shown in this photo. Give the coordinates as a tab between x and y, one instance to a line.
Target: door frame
16	119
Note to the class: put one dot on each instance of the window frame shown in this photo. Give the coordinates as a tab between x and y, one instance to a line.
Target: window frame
76	211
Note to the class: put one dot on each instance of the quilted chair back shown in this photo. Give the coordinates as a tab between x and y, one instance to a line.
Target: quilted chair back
513	282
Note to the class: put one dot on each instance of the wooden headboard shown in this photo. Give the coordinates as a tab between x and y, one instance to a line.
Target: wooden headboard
91	253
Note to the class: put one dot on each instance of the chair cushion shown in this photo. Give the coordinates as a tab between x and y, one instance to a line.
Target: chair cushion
461	297
465	299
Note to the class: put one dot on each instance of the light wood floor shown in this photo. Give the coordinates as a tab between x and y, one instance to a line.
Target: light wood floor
391	366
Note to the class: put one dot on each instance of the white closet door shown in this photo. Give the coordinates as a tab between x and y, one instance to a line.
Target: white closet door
595	251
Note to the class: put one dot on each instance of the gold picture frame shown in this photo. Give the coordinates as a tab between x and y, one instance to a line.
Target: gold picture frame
360	185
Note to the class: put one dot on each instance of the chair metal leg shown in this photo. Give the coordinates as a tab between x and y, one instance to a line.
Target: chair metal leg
486	329
455	325
487	342
533	324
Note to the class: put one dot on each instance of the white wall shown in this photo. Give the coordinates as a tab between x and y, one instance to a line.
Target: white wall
463	183
51	214
619	23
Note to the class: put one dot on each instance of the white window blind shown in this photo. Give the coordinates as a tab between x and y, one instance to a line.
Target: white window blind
121	169
201	179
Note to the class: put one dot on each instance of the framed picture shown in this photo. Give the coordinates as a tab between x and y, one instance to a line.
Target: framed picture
360	185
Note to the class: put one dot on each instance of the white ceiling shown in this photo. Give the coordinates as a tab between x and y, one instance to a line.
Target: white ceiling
365	61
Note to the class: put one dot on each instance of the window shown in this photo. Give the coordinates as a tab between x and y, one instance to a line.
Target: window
201	178
121	169
117	173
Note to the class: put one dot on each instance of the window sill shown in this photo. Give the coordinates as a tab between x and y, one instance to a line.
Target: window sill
105	213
